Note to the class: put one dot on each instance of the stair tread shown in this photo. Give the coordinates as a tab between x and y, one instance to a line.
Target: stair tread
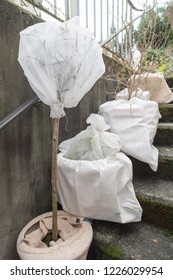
159	190
165	152
150	238
166	105
165	125
165	165
140	241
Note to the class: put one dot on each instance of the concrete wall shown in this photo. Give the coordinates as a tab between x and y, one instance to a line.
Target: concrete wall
25	145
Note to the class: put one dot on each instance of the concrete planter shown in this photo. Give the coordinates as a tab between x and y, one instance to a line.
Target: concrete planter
73	244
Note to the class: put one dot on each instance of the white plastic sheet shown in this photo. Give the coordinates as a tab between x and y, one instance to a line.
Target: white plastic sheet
136	122
61	61
100	189
92	143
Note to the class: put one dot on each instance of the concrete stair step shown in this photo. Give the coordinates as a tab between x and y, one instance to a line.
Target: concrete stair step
164	135
166	110
156	199
165	152
151	239
165	165
169	81
135	241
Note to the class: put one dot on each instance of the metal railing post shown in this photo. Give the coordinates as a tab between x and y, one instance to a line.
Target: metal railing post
74	8
86	4
101	23
67	12
94	6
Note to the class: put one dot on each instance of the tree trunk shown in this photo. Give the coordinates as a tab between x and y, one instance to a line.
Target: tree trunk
55	136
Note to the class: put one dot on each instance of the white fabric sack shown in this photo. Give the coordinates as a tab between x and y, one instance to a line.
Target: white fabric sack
155	83
93	143
61	61
100	189
125	95
136	122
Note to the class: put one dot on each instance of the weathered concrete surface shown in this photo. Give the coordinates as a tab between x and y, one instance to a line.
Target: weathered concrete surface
135	241
156	198
166	111
25	145
164	134
165	164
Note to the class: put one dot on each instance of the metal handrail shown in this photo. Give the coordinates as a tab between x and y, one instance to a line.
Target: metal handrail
41	7
16	113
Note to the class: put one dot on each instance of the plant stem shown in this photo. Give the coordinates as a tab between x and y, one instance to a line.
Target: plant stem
55	136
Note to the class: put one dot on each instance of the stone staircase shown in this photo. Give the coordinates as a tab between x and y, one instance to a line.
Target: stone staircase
152	238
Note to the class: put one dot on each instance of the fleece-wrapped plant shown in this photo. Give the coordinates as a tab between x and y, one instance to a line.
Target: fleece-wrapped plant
93	143
61	61
135	120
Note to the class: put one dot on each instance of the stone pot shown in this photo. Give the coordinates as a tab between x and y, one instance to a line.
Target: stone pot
75	236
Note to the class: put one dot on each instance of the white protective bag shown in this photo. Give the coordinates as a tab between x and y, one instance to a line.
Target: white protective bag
136	122
61	61
100	189
97	179
92	143
155	83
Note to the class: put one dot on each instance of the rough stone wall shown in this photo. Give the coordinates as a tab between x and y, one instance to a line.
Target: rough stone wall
25	144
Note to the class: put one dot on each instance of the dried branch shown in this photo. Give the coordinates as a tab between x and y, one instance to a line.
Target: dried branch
151	43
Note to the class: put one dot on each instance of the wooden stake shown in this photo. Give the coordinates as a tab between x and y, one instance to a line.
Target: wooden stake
55	137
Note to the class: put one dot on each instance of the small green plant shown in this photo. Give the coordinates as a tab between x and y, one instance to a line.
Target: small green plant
47	239
113	252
